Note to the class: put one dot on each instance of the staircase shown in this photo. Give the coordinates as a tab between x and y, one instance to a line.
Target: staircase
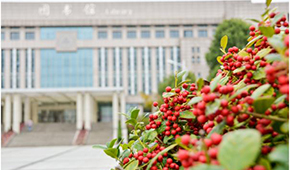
45	134
101	133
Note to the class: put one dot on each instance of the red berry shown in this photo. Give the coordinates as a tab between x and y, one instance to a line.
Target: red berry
277	30
145	150
213	152
168	89
206	89
252	28
185	139
155	104
126	160
216	138
145	160
259	167
201	119
169	160
185	86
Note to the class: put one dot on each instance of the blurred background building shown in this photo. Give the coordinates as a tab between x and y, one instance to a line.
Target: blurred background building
71	67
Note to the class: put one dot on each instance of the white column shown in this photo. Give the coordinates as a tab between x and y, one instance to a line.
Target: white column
123	118
7	69
29	68
87	111
103	69
117	66
22	66
80	111
27	109
175	59
161	66
7	123
34	112
16	113
115	114
146	70
132	70
14	71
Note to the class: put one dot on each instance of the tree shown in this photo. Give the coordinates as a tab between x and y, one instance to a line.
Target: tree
169	81
237	31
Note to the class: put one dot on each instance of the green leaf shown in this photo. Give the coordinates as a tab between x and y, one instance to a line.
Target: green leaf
224	80
243	53
169	94
280	155
200	83
112	152
259	91
264	52
284	127
224	42
150	135
259	74
217	129
273	57
267	31
206	167
167	138
125	114
239	69
187	114
125	153
243	89
250	43
280	99
132	122
254	20
219	59
134	113
180	74
213	107
112	143
263	103
99	146
277	18
284	112
214	82
265	163
160	153
132	166
239	149
161	128
268	2
194	100
277	42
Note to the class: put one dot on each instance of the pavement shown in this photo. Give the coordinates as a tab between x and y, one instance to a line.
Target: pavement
55	158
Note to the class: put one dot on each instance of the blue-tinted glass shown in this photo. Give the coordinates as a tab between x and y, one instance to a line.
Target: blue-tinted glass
193	59
14	36
66	69
174	34
198	60
102	35
2	35
29	35
2	67
202	33
49	33
188	33
145	34
117	34
159	34
131	34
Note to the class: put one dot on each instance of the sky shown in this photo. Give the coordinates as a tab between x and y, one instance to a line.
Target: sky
254	1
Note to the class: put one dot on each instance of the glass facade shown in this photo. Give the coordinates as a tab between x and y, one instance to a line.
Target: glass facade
146	70
29	68
29	36
66	69
14	36
117	35
102	35
131	34
103	67
117	67
49	33
160	63
188	33
159	34
174	34
145	34
132	70
202	33
2	35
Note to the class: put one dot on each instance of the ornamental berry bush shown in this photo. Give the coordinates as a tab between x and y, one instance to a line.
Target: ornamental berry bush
239	121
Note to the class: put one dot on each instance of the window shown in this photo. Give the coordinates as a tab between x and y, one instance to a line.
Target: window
193	59
29	35
188	33
202	33
197	49
159	34
14	35
198	59
2	35
192	49
131	34
102	35
198	75
83	33
117	34
145	34
174	33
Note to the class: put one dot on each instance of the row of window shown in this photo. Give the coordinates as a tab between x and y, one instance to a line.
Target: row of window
48	35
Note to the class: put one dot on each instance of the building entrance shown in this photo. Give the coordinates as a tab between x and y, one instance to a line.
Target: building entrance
57	116
105	112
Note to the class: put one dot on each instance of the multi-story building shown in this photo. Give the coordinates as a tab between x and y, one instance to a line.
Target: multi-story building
85	62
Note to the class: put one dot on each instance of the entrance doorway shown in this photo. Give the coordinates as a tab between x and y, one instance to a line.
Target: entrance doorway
57	116
105	112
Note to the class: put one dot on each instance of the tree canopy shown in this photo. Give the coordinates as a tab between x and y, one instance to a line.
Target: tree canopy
237	31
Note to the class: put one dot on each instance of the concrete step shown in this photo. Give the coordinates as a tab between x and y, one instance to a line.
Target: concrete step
45	134
101	133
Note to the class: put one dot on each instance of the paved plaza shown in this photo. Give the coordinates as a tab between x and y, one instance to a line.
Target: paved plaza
55	158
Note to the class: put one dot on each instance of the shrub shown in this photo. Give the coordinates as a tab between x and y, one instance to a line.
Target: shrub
237	122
